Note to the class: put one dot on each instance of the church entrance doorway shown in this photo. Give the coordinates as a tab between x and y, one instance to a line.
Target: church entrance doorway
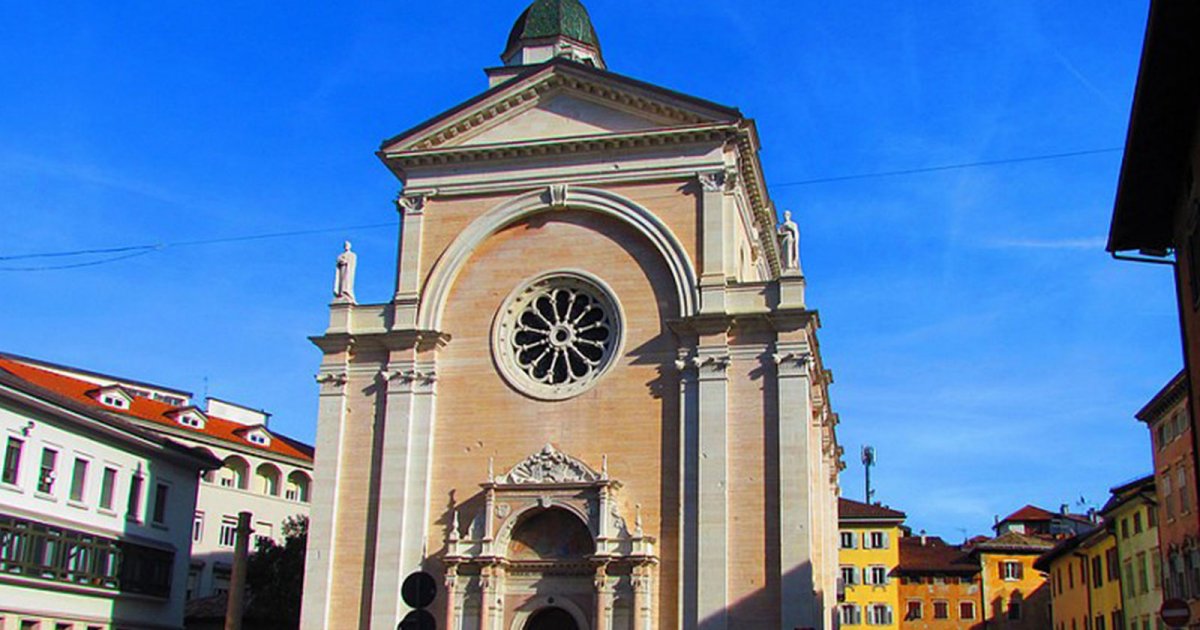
551	618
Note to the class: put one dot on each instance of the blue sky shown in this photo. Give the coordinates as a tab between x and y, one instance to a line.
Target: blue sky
980	337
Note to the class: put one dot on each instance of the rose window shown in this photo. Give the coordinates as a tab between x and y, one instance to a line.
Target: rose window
556	335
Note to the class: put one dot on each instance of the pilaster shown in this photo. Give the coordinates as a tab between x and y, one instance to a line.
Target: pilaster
604	599
797	597
403	488
408	260
714	254
331	416
704	387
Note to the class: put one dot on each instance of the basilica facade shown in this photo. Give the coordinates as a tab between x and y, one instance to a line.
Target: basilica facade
596	399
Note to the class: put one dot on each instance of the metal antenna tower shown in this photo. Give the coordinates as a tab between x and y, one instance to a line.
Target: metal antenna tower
868	460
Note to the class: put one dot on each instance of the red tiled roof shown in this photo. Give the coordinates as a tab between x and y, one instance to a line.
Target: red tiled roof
933	556
850	509
1014	542
1030	513
151	410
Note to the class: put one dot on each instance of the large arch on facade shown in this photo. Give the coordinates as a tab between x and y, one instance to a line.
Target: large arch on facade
446	269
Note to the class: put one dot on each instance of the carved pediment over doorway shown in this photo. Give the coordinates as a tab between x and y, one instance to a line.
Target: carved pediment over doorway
549	466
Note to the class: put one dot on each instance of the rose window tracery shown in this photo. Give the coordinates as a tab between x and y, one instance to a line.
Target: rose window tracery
556	335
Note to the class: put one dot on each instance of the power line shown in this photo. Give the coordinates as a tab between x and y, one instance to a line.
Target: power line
948	167
133	251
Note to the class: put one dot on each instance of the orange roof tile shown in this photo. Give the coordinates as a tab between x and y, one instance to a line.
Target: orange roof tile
151	410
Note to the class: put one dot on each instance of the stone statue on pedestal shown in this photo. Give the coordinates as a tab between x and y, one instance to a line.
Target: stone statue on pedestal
789	243
343	281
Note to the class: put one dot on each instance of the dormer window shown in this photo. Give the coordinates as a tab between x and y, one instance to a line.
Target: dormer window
113	396
259	437
189	417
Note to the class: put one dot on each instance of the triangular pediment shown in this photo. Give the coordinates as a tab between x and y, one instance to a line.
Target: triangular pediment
559	99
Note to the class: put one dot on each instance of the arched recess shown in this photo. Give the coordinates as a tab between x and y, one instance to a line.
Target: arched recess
266	479
298	483
208	476
447	267
549	535
504	534
235	473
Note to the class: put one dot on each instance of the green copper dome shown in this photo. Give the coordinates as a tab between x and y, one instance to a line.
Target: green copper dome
554	18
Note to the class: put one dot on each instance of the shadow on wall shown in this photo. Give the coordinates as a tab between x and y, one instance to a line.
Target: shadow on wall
1033	607
761	608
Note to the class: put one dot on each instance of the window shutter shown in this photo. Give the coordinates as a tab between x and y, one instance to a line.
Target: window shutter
885	540
1020	571
866	540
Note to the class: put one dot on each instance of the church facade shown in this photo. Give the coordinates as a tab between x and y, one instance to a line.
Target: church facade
596	398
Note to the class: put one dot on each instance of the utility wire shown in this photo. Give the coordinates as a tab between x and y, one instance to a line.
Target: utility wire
948	167
132	251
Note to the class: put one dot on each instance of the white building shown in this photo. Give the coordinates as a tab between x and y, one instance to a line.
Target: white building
95	513
264	473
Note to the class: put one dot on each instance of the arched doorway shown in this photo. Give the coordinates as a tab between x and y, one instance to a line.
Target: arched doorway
551	618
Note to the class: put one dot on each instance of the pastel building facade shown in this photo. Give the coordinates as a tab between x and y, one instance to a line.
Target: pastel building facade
868	554
596	398
1132	517
1014	594
95	513
261	471
940	586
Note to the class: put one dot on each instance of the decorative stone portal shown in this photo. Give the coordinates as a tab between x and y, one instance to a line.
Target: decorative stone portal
549	549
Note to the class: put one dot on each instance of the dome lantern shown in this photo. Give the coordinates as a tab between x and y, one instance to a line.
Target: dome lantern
553	28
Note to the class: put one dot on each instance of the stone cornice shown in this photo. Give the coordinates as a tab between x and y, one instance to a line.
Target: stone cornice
434	156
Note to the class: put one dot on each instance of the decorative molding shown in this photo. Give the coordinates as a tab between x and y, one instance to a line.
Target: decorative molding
410	204
537	89
410	376
800	360
450	263
331	382
711	362
712	181
549	466
556	196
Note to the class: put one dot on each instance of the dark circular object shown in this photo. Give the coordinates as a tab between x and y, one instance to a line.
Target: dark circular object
418	590
419	619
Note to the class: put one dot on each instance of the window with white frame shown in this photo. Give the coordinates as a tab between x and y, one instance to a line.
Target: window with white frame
12	460
876	575
912	610
48	471
228	531
877	540
966	609
849	575
941	610
847	540
879	615
851	615
1011	570
198	527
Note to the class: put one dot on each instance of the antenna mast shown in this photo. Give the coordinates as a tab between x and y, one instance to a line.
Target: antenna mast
868	460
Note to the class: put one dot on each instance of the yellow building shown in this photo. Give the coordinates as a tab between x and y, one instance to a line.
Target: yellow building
1085	582
1131	513
1014	594
868	554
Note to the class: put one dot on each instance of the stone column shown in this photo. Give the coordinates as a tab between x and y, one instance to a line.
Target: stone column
704	386
491	612
643	611
403	488
408	260
331	416
604	599
454	599
797	597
